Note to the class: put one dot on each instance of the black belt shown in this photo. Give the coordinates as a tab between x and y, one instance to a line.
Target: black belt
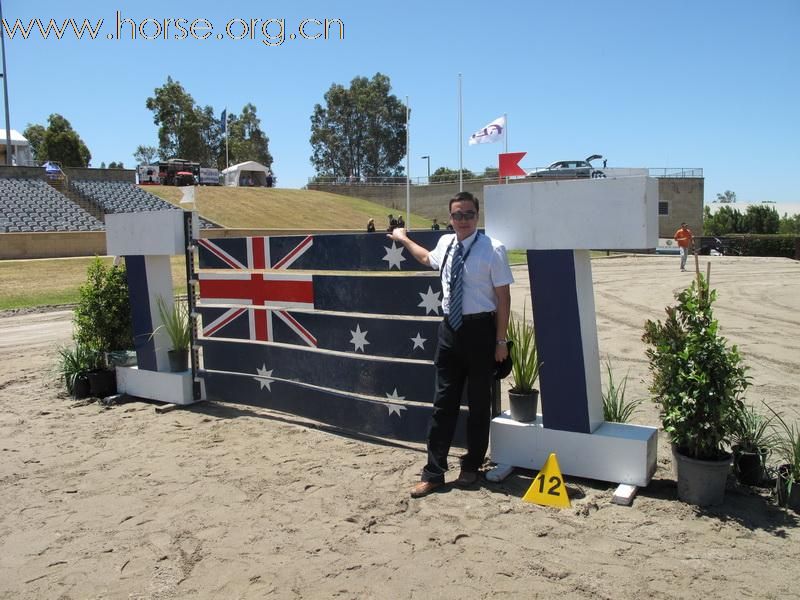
476	316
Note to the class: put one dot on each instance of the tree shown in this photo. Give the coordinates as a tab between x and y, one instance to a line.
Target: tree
145	155
184	129
58	142
790	225
35	135
491	173
187	130
761	219
246	140
116	165
443	175
725	220
728	197
360	131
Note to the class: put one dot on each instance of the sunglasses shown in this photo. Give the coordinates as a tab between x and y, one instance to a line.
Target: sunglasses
461	216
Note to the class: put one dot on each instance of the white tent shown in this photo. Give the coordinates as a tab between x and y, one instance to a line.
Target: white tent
21	154
246	174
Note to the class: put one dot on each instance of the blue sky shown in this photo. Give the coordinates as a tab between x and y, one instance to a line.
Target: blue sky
647	84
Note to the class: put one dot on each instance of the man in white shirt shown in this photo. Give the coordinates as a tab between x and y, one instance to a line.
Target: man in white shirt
476	301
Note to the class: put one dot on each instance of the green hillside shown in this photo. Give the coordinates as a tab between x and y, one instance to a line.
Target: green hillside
276	208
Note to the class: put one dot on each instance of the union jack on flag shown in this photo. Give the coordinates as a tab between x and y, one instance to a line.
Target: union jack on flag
243	285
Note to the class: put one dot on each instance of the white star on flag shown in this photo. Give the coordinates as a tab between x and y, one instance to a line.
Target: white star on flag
394	396
430	301
419	341
394	409
394	256
359	339
264	377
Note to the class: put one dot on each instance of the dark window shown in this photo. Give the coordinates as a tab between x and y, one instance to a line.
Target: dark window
663	208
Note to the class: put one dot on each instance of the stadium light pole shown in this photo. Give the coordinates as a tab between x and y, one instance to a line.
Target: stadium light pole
5	85
428	158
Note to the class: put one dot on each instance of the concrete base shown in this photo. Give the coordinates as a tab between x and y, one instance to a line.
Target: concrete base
156	385
615	452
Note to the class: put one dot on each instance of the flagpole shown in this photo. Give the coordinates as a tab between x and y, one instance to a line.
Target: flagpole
5	90
505	135
460	140
408	168
227	160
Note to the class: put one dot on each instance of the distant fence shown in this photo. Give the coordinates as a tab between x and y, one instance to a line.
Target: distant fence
676	172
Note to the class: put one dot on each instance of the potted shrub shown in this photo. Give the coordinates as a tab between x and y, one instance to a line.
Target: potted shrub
523	397
74	365
102	321
175	322
787	447
697	381
752	441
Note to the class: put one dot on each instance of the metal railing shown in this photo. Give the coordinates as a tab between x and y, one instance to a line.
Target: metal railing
397	181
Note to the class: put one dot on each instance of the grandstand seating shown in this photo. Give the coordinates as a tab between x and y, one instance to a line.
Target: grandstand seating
120	196
28	205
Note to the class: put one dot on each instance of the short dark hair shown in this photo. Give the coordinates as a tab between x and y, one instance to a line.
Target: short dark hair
463	197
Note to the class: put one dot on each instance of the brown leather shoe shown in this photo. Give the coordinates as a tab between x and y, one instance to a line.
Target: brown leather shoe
466	479
423	488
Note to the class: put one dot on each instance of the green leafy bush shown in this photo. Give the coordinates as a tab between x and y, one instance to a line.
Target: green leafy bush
766	245
697	380
102	318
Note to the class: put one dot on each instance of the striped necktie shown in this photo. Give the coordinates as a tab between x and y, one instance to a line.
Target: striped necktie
456	287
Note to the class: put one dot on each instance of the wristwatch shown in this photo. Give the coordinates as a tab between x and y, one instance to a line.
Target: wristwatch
501	342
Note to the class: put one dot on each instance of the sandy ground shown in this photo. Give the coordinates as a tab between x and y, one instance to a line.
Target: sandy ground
230	502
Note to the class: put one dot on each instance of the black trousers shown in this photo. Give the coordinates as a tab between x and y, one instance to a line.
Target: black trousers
463	357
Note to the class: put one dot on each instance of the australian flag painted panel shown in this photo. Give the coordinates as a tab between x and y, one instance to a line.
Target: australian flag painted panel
397	420
330	252
393	379
413	295
354	350
371	336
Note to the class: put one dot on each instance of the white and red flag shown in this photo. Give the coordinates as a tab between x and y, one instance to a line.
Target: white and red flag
493	132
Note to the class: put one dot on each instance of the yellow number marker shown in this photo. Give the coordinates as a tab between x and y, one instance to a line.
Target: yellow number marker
548	486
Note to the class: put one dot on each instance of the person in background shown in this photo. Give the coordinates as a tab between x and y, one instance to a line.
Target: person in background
400	221
476	302
371	226
392	224
685	239
435	225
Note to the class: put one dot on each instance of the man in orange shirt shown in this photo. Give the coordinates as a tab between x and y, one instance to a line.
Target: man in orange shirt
684	238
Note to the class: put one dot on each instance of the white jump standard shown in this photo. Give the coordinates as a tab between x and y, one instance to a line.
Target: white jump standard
559	222
147	240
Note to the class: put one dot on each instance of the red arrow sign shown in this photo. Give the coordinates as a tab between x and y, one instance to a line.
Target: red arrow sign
509	166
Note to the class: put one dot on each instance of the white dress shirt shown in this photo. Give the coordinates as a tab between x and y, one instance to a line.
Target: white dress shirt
486	268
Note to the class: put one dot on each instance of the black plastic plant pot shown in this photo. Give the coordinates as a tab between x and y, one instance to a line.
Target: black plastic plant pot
524	406
788	491
102	383
80	388
748	466
178	360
